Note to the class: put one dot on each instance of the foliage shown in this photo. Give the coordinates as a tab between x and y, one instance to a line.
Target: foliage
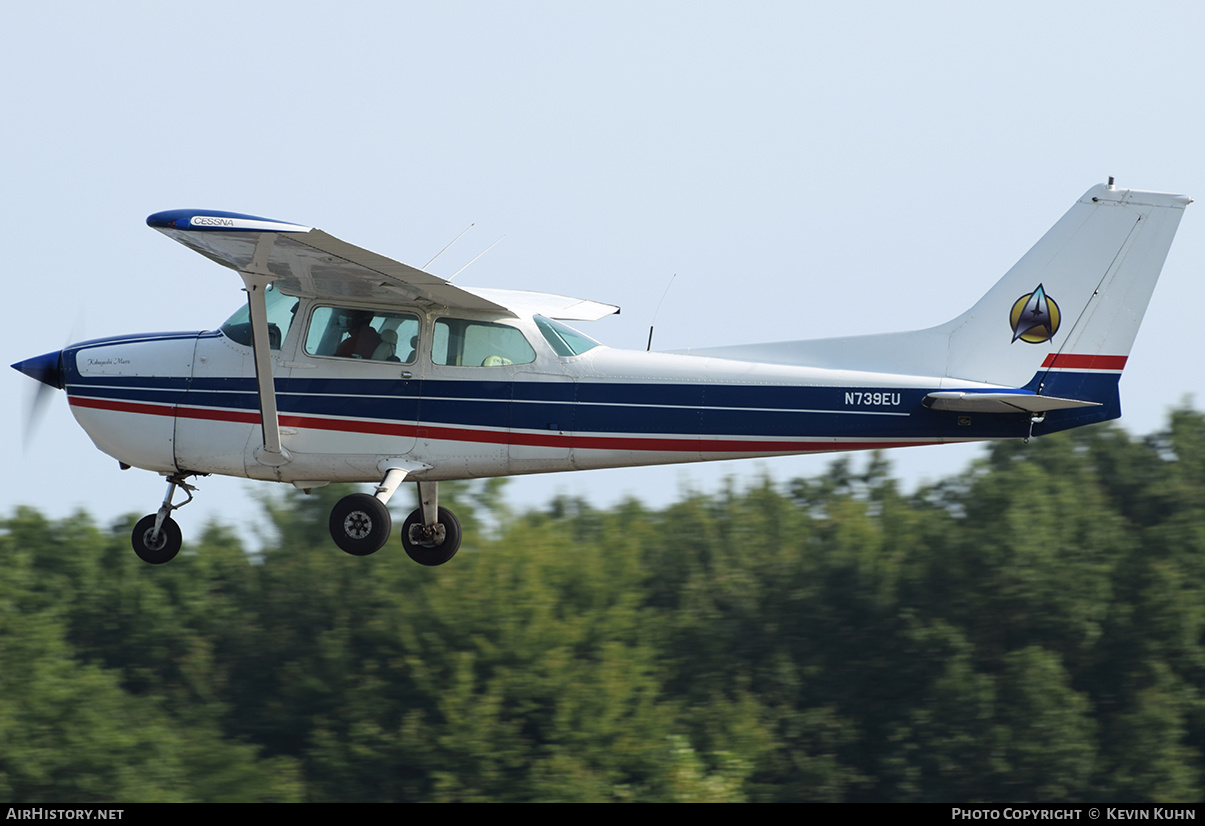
1031	629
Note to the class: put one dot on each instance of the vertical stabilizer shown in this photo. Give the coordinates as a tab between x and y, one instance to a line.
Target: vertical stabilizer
1060	323
1075	300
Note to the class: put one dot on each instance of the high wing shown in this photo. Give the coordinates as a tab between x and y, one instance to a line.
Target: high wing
308	262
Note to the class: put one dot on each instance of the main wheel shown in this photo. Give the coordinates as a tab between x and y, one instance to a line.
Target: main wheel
156	550
360	524
435	546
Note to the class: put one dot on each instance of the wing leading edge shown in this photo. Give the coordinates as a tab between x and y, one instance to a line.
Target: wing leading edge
309	262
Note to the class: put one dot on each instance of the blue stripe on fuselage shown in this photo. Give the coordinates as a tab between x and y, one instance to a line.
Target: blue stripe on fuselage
583	407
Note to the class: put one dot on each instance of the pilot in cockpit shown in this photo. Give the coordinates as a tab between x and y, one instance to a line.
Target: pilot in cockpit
362	340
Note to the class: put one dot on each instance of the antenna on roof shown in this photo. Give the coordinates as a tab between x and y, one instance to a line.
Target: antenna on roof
483	252
659	303
450	243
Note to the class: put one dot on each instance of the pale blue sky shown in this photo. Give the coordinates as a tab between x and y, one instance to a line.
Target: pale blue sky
807	169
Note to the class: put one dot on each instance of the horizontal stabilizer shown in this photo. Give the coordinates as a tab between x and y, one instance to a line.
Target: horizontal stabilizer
1015	402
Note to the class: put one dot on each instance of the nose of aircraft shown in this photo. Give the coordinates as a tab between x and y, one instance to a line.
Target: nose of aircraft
46	368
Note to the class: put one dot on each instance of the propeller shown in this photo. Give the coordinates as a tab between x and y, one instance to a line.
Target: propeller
47	369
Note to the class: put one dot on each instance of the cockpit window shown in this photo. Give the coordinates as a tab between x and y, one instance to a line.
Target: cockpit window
281	310
464	343
372	335
565	341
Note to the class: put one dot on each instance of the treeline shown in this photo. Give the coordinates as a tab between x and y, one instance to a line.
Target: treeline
1030	629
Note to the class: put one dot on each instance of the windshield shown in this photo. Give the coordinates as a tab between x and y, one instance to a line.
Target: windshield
281	310
565	341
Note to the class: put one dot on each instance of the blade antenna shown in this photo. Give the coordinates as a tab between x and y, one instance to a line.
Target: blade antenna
450	243
659	303
483	252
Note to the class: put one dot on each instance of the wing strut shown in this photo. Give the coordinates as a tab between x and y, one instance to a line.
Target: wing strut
256	278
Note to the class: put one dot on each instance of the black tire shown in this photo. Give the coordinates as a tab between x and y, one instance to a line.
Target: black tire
156	552
430	552
360	524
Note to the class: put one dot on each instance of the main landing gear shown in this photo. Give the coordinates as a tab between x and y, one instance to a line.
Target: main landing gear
157	537
360	523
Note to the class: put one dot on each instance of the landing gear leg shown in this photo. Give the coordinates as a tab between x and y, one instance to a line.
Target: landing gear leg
156	538
430	535
360	524
1037	418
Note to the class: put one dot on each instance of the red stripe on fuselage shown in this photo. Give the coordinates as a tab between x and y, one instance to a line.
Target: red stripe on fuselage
453	434
1071	361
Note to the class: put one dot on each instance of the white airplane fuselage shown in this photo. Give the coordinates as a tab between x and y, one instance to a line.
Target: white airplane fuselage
187	402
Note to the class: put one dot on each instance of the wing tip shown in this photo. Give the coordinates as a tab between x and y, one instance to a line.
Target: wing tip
210	220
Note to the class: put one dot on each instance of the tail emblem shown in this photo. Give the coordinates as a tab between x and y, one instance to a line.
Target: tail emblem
1034	317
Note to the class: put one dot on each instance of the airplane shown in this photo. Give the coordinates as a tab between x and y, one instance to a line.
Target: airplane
347	366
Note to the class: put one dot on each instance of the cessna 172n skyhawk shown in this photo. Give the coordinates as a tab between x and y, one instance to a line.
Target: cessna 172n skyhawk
346	366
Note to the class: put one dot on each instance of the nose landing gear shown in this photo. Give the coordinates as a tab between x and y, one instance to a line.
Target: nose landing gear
157	538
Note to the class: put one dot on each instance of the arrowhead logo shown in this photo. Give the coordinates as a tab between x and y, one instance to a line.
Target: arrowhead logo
1035	317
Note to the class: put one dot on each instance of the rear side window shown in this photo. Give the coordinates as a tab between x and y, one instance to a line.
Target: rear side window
460	342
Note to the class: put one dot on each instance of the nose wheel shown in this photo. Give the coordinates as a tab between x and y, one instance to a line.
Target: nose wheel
156	537
156	545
